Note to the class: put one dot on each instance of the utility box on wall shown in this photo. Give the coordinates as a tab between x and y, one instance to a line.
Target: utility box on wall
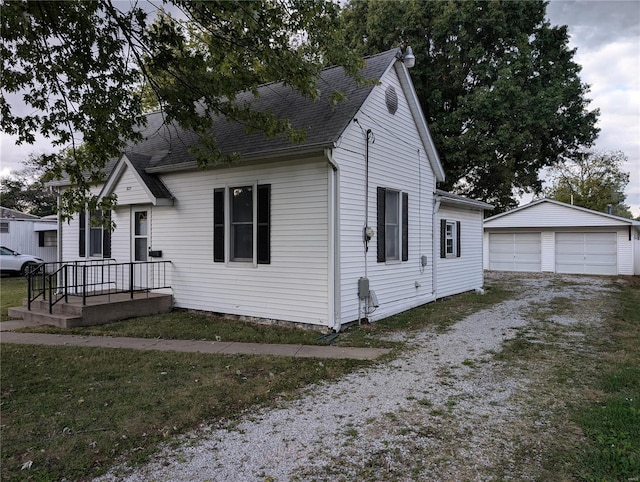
363	288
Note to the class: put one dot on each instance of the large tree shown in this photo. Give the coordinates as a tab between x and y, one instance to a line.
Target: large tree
24	190
497	83
593	180
80	73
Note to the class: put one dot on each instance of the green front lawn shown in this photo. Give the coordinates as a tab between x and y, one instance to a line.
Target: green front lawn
70	413
12	292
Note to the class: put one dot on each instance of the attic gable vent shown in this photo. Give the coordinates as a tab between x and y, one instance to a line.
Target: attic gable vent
391	98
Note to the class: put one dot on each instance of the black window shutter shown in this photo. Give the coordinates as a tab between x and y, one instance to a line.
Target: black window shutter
264	224
41	239
405	226
218	225
381	218
443	238
458	240
106	236
82	220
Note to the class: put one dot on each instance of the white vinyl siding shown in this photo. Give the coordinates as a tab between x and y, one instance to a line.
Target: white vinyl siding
129	190
586	253
515	252
550	215
294	287
397	161
121	236
459	274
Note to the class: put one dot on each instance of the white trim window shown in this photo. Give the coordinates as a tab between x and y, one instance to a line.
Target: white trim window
450	239
241	224
98	241
393	225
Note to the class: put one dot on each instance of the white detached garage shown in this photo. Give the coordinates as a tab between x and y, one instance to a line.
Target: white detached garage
550	236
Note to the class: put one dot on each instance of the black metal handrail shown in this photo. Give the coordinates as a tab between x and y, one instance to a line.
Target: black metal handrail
57	281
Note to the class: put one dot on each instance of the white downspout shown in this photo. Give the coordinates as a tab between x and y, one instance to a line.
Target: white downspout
435	255
334	242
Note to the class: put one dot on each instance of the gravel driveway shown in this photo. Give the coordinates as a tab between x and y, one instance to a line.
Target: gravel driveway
449	409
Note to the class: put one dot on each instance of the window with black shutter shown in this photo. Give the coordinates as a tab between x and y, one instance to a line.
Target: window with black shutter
393	225
264	224
218	225
106	236
239	235
82	230
450	239
99	238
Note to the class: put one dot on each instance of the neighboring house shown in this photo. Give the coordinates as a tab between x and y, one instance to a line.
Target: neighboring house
282	234
550	236
29	234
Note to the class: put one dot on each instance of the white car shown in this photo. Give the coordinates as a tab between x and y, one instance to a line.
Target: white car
12	262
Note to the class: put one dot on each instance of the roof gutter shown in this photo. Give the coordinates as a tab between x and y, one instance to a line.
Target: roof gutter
294	151
461	201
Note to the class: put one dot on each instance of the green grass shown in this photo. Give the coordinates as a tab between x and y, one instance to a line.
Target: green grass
612	424
180	324
440	314
71	412
12	292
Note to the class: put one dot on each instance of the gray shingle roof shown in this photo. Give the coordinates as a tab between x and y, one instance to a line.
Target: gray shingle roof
322	121
165	147
155	185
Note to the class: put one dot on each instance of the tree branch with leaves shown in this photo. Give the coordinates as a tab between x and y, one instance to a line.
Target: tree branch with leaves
497	83
592	180
83	73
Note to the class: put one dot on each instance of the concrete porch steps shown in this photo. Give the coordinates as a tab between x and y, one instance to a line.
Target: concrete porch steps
98	310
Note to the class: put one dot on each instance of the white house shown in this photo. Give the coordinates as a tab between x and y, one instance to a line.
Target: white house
29	234
550	236
458	251
343	226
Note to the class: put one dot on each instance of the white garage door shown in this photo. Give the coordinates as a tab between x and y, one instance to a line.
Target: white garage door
514	251
586	253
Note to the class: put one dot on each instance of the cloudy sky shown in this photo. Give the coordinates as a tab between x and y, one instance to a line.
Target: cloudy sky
606	34
607	37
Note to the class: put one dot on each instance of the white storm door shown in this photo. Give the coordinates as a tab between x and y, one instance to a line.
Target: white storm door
140	235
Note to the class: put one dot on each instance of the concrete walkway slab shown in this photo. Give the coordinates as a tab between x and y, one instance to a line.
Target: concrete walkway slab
193	346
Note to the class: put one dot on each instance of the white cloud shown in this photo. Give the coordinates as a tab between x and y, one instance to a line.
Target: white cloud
13	155
607	37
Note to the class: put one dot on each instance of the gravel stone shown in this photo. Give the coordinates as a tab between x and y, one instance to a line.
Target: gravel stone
446	410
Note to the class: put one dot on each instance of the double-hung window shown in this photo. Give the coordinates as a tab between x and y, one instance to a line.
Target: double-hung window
241	224
98	241
393	225
241	221
450	239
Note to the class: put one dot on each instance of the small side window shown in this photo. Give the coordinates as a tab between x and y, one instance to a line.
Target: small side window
450	239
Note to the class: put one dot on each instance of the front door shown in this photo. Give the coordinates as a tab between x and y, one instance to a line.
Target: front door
140	231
